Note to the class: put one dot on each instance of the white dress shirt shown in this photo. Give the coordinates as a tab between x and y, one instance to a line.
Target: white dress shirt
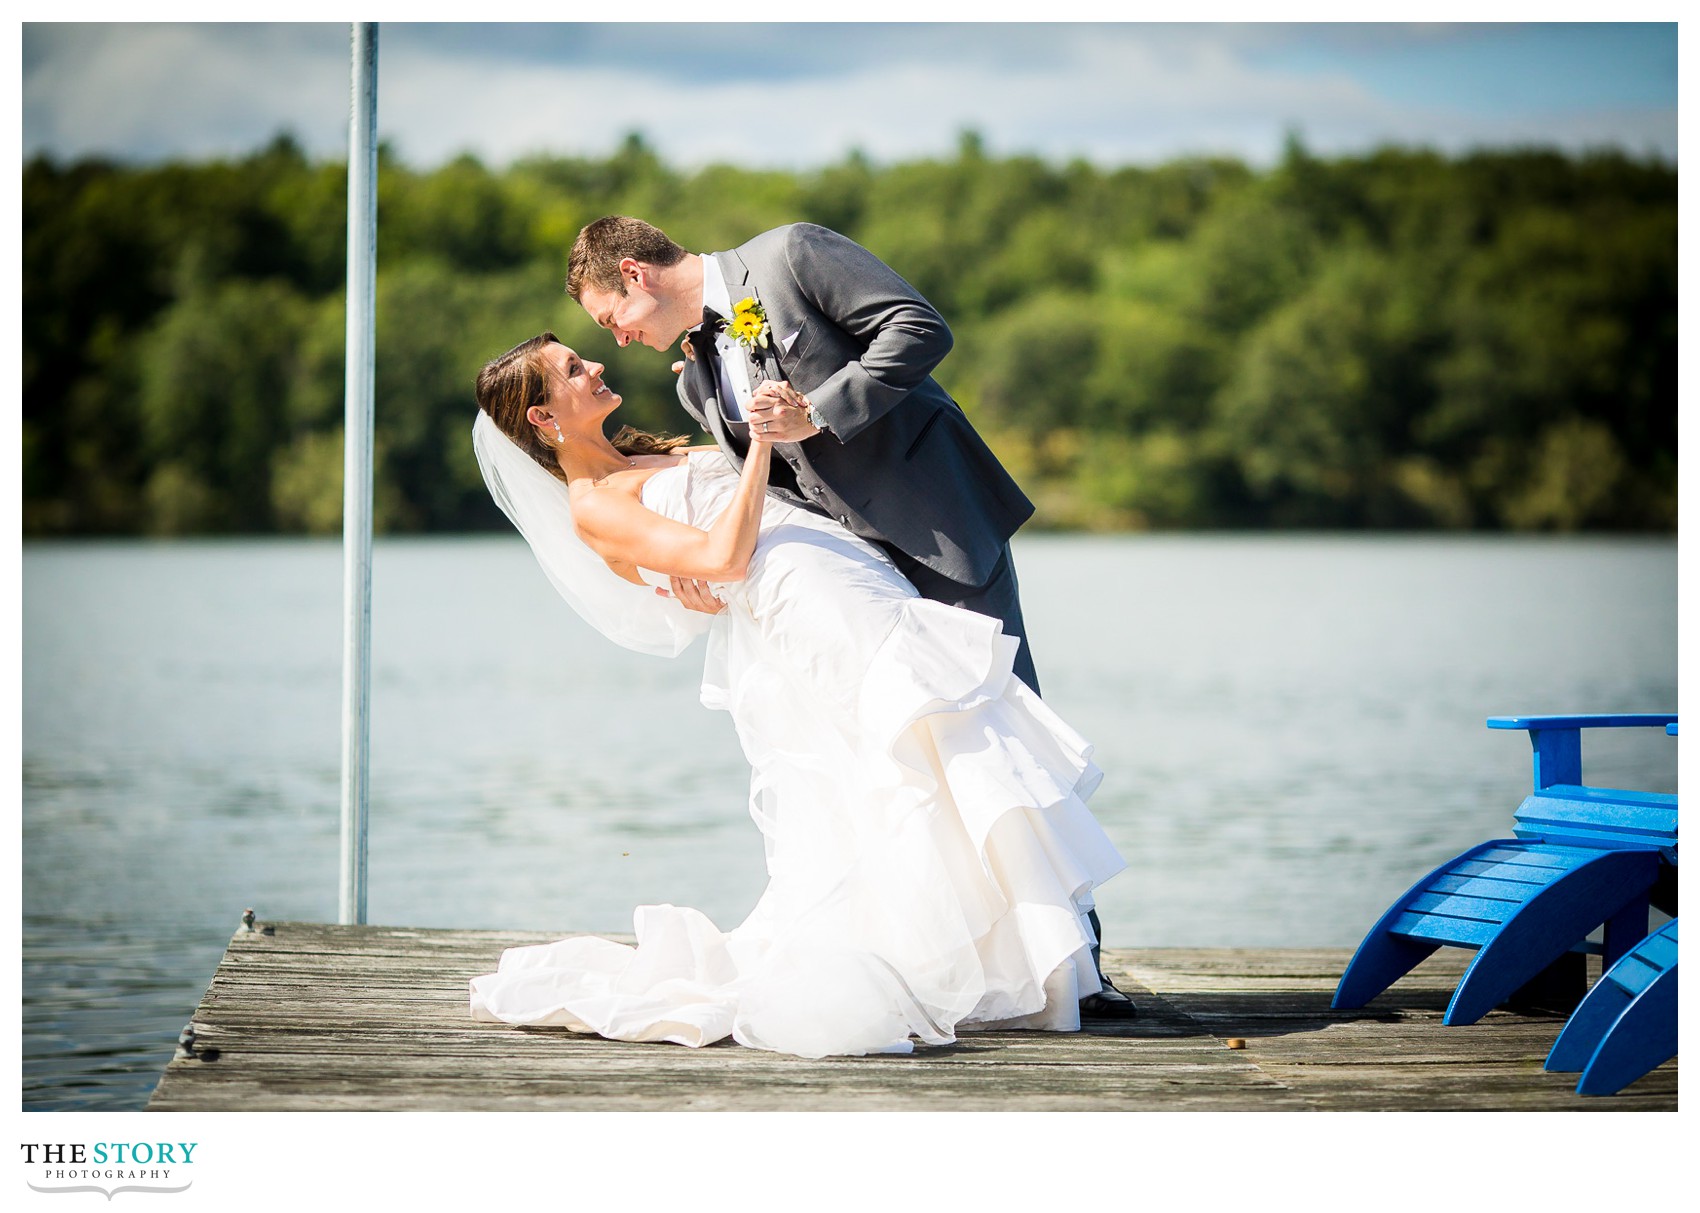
735	386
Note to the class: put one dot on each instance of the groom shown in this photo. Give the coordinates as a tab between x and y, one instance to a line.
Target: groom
836	367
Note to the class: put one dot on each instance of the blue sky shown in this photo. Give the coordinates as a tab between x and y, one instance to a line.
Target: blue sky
800	95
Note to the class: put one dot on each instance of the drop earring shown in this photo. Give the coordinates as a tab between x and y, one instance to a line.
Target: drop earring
560	437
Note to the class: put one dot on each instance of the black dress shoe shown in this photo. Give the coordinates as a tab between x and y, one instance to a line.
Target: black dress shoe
1108	1003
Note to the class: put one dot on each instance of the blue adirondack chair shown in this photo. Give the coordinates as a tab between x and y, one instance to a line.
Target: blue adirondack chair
1581	857
1627	1024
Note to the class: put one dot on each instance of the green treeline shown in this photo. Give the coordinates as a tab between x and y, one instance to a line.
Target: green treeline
1398	340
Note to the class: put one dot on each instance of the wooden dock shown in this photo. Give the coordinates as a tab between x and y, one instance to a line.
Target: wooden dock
334	1018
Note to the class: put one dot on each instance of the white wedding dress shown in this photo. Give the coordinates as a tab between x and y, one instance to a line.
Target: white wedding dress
929	851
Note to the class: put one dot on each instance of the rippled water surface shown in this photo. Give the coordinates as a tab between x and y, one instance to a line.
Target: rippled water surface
1291	729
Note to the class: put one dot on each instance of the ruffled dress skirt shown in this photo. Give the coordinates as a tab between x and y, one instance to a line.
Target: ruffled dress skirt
930	855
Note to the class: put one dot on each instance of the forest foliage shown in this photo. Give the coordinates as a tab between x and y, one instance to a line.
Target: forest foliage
1400	339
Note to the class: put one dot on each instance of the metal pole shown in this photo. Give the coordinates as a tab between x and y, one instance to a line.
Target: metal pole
357	467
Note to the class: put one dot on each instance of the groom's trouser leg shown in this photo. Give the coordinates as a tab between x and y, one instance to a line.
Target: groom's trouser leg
1000	598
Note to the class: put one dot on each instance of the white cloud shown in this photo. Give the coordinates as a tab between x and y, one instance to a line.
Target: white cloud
1113	94
150	90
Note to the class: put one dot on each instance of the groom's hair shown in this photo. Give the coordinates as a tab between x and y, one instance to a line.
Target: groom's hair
602	245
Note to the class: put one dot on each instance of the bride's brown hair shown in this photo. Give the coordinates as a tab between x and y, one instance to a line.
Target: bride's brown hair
508	386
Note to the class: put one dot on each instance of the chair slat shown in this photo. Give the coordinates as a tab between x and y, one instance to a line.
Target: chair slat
1436	928
1497	886
1484	909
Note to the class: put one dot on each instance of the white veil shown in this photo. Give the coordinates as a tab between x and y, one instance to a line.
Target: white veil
537	503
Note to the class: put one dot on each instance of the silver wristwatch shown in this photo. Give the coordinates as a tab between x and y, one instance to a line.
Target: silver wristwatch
816	420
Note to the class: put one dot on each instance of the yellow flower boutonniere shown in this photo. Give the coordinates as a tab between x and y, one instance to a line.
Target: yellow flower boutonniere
748	326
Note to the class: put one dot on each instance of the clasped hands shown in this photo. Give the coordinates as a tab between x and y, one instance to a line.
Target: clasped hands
778	413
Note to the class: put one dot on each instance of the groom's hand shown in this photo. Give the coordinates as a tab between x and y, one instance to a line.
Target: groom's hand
695	595
781	413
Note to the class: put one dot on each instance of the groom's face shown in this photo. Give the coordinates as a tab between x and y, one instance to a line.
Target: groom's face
642	314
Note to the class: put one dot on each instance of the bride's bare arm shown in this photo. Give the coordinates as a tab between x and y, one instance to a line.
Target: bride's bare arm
619	528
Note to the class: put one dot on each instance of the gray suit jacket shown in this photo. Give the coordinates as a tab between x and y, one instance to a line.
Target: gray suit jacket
900	464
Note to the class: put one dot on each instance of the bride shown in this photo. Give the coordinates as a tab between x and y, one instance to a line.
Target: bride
930	855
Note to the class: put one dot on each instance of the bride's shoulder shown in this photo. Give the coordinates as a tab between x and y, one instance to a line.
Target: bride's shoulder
593	499
605	513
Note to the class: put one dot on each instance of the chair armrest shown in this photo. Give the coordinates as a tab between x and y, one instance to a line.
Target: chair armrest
1621	721
1557	740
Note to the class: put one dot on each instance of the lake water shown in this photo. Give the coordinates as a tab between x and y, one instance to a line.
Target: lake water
1291	730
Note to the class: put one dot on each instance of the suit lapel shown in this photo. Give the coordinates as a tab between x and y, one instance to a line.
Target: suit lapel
741	285
735	273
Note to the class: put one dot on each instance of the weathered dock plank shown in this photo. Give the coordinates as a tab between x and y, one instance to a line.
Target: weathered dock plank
323	1017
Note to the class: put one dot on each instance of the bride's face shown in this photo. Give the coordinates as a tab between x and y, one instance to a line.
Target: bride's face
576	387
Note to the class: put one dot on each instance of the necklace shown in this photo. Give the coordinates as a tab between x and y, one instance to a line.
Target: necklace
630	464
561	442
